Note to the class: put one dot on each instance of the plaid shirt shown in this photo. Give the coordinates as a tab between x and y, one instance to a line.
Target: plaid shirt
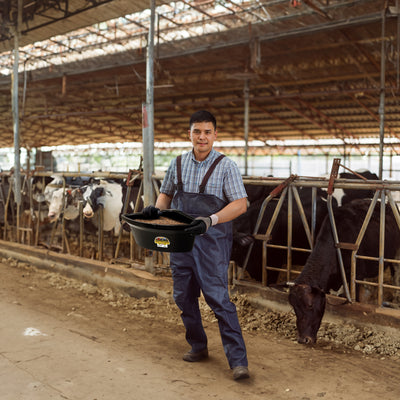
225	182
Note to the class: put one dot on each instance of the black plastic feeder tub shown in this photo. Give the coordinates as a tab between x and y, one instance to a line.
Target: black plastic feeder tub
161	237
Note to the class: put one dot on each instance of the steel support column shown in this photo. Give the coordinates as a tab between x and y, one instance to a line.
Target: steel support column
15	114
246	125
382	96
148	129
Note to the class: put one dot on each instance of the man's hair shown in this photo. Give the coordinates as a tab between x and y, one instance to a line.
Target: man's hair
202	116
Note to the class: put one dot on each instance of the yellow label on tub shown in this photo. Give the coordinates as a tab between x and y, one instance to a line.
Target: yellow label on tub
162	241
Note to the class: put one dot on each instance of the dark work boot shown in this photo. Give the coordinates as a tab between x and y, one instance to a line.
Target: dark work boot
240	372
191	356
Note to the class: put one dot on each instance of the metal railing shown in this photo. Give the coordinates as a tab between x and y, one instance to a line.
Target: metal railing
280	190
288	188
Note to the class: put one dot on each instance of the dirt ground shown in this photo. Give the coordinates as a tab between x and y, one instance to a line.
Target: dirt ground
90	343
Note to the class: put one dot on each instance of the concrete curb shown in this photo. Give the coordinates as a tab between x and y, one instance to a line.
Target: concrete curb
134	282
138	283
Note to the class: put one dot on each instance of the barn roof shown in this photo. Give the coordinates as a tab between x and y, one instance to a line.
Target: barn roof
311	70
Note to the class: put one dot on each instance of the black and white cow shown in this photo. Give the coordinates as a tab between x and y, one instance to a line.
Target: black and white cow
59	182
107	195
38	187
346	195
321	272
352	194
244	225
63	195
111	196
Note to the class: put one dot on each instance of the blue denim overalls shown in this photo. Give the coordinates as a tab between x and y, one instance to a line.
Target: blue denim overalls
205	267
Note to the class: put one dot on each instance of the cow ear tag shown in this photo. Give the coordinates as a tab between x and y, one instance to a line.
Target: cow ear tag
161	241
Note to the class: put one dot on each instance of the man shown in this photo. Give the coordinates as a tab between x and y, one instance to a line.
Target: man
205	184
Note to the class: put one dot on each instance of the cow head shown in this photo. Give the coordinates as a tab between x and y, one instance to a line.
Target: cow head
309	305
56	204
94	198
66	201
38	185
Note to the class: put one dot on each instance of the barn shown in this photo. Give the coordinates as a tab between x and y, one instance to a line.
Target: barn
284	77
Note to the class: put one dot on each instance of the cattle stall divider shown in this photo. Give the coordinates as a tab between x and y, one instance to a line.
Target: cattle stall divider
129	183
7	226
334	174
381	195
286	188
382	190
280	189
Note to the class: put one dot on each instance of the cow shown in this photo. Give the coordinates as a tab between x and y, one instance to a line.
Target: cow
63	195
38	187
66	201
59	182
244	225
107	195
257	192
352	194
110	195
321	273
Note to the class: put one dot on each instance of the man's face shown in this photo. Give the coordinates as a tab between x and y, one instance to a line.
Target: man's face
202	135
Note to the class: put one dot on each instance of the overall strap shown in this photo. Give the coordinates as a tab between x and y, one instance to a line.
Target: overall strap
209	172
179	173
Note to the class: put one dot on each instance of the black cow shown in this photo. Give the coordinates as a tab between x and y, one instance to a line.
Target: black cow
322	270
352	194
244	225
257	192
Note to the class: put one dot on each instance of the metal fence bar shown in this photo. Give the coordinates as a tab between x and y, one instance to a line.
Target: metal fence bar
338	250
381	247
357	244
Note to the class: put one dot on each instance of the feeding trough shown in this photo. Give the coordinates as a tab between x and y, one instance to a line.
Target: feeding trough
165	233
